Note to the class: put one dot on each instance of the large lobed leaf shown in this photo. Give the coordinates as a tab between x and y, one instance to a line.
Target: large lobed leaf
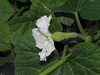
27	60
5	13
18	26
50	3
38	10
85	59
88	9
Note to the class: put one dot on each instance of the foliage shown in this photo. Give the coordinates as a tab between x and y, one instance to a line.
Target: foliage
18	18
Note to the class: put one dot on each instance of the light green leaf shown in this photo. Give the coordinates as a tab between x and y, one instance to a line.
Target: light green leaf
5	13
66	21
38	10
88	9
50	3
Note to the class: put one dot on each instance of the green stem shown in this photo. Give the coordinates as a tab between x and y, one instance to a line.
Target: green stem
65	50
20	10
81	36
66	45
79	24
55	65
56	54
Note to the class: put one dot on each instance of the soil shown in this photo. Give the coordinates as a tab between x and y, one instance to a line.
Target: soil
7	69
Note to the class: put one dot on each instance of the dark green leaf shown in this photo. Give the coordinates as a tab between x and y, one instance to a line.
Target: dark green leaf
38	10
92	30
97	35
4	37
27	60
97	43
19	20
50	3
17	30
55	25
88	9
5	13
85	60
66	21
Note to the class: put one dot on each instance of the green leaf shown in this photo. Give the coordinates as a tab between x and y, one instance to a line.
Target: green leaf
88	9
18	26
55	25
17	30
66	21
50	3
4	37
92	30
85	59
38	10
27	60
97	43
5	13
17	20
97	35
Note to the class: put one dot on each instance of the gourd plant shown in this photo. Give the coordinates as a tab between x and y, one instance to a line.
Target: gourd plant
29	28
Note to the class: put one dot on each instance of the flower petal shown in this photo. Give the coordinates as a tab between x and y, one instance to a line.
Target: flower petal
48	47
39	37
43	24
42	56
42	37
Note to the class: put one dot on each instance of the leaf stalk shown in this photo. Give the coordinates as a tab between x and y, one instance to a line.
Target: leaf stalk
55	65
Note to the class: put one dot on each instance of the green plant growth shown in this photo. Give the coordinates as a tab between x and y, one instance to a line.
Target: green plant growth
19	17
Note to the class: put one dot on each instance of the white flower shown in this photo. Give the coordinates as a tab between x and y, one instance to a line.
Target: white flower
42	37
43	24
